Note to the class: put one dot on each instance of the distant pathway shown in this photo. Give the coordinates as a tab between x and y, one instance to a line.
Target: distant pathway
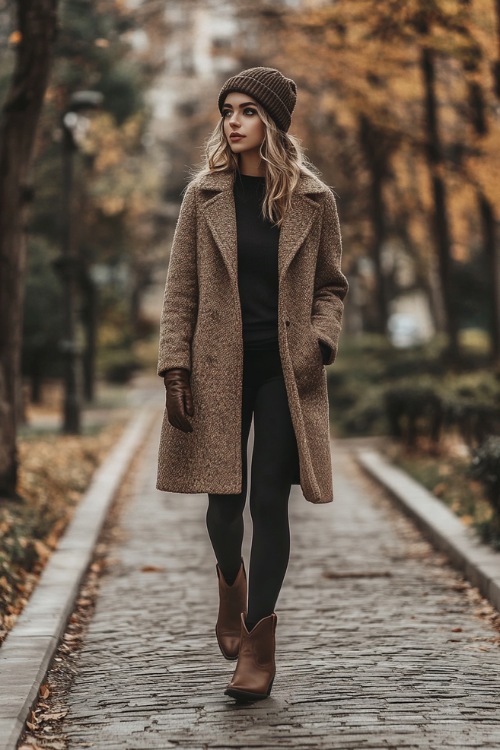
380	645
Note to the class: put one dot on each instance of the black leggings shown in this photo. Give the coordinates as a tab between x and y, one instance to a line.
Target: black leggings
274	466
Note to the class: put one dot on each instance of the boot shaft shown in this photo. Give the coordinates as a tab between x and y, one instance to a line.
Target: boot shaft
259	644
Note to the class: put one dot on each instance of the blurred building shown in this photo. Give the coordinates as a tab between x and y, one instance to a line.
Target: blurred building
199	55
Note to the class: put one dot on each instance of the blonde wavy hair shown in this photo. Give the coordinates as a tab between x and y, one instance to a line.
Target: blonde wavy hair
282	154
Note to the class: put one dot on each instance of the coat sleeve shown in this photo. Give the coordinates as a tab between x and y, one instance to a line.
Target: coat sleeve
330	284
180	301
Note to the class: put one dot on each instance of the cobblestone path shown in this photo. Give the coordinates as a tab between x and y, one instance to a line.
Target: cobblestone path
380	643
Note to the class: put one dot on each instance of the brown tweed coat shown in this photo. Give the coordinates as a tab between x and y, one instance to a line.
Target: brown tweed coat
201	331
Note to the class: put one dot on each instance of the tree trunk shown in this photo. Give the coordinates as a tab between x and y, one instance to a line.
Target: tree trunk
36	23
440	219
479	121
36	378
492	254
372	143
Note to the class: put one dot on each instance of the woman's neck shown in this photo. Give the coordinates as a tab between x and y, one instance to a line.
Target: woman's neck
251	164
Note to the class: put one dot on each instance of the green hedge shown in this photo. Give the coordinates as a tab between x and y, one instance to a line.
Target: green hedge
416	398
411	394
426	408
117	365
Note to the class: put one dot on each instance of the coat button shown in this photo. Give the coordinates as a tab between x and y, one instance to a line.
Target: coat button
287	323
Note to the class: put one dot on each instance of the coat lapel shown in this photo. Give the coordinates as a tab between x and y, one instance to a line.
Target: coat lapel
220	213
295	228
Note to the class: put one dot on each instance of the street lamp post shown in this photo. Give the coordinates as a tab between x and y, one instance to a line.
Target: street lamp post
68	261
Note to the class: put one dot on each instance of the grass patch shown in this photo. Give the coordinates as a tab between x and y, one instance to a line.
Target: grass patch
55	471
449	479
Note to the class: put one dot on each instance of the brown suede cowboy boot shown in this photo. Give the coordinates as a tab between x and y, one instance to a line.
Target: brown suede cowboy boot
232	602
254	674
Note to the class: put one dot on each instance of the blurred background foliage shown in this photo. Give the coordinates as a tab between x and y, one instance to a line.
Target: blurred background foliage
399	107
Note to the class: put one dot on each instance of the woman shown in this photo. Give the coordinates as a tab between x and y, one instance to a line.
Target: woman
252	313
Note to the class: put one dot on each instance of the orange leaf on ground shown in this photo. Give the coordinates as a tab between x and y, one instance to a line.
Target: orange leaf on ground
54	715
44	690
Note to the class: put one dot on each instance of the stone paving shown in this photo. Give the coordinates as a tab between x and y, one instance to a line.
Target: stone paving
380	643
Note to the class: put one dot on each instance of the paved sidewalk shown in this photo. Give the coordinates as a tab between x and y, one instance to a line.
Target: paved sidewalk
479	562
380	643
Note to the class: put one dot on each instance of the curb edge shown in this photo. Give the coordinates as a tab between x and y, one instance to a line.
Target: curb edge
27	652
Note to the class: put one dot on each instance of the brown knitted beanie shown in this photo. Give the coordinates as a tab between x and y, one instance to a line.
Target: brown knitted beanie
270	88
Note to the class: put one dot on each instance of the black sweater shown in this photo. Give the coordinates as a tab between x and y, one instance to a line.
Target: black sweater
257	262
258	241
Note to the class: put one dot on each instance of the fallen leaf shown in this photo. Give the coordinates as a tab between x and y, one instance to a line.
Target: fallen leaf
54	745
84	602
44	690
54	715
42	550
440	489
5	585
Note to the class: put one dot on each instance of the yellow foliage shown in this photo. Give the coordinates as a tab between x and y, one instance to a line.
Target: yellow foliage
484	168
123	179
359	59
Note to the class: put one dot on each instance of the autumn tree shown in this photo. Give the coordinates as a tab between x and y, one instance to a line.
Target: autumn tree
116	186
385	114
34	36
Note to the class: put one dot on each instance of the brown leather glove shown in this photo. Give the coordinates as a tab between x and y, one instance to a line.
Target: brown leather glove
179	400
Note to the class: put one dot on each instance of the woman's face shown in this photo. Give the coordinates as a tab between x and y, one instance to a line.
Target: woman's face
243	127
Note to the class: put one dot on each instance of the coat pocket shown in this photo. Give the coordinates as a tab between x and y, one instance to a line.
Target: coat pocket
307	357
316	346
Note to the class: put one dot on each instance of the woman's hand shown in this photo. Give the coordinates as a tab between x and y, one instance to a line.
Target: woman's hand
179	400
